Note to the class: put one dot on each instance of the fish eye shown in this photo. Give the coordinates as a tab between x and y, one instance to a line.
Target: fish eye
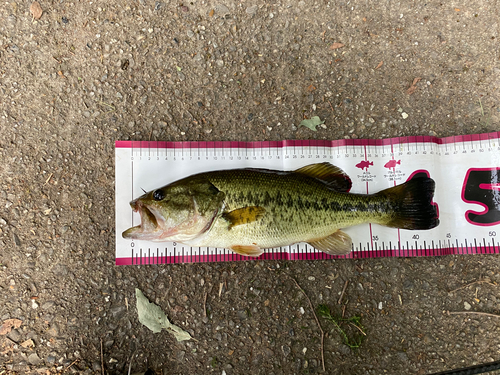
158	195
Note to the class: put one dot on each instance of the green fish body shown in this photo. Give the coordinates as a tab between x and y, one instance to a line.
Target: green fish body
248	210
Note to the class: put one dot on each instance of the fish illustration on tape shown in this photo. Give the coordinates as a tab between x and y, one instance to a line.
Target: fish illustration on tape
364	164
392	164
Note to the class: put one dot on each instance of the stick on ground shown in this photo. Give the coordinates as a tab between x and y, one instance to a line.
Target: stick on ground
102	360
317	321
343	291
473	312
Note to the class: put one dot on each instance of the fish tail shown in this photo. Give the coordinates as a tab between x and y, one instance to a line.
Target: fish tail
412	204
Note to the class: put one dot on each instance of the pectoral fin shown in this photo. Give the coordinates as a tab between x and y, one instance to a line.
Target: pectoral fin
244	215
338	243
249	251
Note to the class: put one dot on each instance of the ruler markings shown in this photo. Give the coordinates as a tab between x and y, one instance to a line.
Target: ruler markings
140	154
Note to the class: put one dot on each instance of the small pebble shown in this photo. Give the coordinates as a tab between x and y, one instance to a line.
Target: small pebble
467	306
252	10
286	350
51	359
404	115
34	359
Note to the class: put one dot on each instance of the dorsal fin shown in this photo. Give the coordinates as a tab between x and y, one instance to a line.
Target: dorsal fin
331	175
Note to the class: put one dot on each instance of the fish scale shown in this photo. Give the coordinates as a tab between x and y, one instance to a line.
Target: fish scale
305	211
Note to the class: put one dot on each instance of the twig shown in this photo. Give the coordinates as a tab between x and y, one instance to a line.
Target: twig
205	305
71	364
360	330
481	104
331	106
473	312
475	282
130	364
106	104
343	291
48	179
102	360
317	321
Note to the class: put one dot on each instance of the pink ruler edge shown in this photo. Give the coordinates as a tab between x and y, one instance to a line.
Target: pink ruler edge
206	258
307	143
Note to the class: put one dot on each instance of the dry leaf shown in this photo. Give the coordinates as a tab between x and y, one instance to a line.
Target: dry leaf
379	65
28	344
36	10
6	346
312	123
311	88
211	14
336	45
9	324
412	88
155	319
416	80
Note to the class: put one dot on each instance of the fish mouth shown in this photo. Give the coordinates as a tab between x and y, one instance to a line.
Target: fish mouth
149	227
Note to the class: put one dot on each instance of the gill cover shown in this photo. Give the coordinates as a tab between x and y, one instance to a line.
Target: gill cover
180	211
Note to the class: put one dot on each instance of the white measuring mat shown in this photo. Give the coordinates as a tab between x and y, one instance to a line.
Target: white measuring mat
466	170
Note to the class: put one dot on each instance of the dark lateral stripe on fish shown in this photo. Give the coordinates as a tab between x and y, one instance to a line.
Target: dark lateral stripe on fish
298	202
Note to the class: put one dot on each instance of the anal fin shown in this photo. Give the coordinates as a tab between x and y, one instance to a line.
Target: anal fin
337	243
247	250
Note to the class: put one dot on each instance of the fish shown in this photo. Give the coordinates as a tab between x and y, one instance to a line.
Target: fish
392	163
249	210
364	164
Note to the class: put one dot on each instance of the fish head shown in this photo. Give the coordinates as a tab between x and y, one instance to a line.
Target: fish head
180	211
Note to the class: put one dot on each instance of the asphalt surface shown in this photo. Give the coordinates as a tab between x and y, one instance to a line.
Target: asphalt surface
88	73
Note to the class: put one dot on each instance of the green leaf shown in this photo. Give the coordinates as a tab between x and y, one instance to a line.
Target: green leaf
155	319
312	123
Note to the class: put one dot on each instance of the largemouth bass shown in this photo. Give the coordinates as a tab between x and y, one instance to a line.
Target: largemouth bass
249	210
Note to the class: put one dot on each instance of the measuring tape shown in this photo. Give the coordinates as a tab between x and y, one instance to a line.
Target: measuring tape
466	170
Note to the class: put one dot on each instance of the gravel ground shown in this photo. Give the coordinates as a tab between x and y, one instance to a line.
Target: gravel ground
88	73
